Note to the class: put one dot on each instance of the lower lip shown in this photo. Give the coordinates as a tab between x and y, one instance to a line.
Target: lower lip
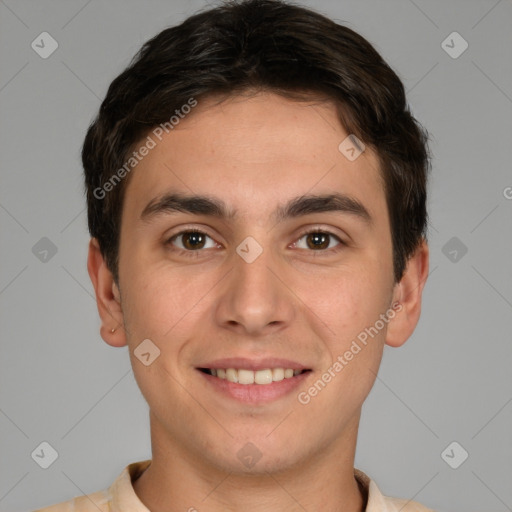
256	393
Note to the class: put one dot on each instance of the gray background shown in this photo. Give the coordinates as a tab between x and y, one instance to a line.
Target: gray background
60	383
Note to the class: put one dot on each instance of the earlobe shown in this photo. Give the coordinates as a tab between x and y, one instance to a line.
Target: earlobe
107	297
408	292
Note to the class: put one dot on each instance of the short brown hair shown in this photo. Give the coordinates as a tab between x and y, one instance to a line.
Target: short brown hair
269	45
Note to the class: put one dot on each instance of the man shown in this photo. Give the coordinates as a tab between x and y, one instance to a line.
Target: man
256	191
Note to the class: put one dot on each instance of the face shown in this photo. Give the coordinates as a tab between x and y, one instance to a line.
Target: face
237	281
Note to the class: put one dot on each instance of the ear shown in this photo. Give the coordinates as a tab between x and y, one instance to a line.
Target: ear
107	297
407	297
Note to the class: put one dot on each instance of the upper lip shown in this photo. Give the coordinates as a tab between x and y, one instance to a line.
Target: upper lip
253	364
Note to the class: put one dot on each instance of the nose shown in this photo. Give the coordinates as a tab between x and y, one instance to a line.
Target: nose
255	299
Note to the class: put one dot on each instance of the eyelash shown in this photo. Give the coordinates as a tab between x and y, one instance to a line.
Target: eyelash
196	253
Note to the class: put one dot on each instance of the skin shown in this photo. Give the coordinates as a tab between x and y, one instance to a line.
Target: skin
294	301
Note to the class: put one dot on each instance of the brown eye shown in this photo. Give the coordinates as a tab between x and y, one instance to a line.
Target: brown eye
190	240
317	240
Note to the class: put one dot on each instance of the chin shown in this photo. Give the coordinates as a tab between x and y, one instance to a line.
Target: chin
258	455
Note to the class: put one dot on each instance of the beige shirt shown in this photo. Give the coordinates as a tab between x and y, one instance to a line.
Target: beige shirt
120	496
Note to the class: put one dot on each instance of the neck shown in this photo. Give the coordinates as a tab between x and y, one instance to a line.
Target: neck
177	480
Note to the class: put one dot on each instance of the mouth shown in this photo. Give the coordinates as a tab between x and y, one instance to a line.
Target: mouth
259	377
253	380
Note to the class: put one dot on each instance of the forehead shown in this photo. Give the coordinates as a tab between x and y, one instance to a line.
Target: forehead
254	152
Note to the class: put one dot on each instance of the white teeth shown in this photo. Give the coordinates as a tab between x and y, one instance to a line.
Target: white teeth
262	377
277	374
245	377
231	375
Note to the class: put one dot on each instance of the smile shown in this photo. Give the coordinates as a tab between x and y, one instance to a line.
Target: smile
262	377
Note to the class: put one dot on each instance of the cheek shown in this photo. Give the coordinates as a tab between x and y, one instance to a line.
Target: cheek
347	301
151	311
355	335
353	338
168	307
154	295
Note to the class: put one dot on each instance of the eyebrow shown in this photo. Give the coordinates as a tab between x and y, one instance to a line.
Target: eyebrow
303	205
